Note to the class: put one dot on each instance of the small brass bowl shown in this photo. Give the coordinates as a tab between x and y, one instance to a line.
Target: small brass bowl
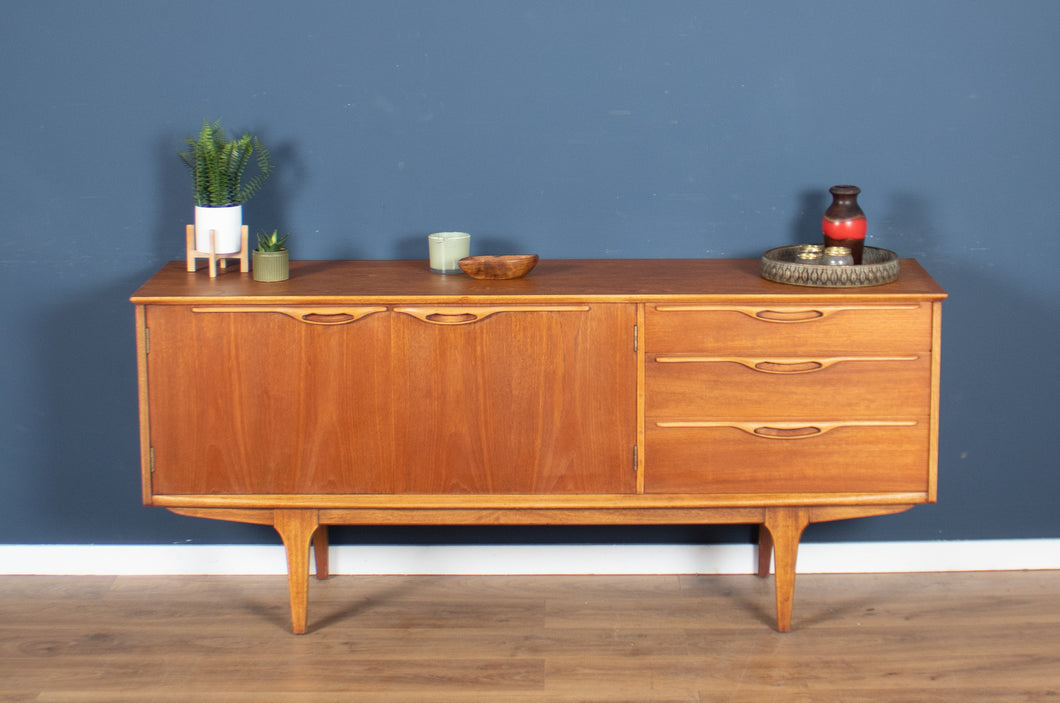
498	267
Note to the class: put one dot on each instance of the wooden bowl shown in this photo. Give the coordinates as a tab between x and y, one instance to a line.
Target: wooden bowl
498	267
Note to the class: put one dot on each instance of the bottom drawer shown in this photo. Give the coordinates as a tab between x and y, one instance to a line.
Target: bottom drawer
842	459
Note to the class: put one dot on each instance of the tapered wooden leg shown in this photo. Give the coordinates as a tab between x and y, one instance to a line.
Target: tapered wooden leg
765	551
296	528
785	527
320	551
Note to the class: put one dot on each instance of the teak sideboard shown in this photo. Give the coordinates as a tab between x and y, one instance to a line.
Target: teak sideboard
589	392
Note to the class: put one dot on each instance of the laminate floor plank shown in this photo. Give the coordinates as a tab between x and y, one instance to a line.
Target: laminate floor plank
921	638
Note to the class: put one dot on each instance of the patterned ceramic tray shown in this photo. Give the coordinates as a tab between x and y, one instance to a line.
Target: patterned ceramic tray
878	266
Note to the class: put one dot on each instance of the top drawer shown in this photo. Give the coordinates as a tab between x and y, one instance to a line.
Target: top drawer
789	329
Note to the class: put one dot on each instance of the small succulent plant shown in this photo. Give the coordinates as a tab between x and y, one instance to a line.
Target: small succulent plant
272	242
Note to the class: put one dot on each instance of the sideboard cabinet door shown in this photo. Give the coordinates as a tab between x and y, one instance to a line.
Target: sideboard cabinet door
268	402
515	400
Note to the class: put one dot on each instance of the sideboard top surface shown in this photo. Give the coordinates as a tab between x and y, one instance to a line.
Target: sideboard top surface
553	280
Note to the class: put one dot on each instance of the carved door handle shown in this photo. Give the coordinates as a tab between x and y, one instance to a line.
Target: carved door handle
440	315
315	316
458	318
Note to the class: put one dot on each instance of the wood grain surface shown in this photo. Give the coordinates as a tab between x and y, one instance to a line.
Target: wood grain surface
883	637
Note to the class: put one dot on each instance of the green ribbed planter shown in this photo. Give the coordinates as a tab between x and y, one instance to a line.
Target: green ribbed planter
270	266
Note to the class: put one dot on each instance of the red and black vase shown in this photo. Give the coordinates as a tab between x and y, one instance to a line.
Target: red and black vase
844	223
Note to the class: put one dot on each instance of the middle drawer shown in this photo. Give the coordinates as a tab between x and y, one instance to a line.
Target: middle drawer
692	386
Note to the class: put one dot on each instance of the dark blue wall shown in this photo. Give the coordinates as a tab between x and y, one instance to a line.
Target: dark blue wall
617	128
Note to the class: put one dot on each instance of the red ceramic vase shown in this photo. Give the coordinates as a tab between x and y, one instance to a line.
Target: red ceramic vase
844	223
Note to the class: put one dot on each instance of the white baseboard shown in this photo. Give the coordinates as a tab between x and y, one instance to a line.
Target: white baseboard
860	557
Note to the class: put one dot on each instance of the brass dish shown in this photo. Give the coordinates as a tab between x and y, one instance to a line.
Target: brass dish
498	267
878	266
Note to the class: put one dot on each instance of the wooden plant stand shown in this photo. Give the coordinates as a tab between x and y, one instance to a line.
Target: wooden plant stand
214	258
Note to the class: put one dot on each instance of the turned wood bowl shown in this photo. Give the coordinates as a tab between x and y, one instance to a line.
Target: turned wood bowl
498	267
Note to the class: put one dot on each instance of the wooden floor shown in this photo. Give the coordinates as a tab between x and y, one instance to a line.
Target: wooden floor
894	637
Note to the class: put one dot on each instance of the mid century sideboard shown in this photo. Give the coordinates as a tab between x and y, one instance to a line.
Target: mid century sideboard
589	392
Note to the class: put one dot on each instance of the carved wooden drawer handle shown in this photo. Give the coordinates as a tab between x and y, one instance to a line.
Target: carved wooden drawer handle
783	316
788	367
784	430
789	315
787	432
782	365
466	316
319	316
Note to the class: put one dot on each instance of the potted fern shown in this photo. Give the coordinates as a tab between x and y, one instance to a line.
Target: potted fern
270	259
219	170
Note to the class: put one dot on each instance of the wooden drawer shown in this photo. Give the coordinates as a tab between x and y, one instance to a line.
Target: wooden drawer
788	329
688	387
839	459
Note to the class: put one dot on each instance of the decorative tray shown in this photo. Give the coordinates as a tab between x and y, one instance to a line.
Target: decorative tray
878	266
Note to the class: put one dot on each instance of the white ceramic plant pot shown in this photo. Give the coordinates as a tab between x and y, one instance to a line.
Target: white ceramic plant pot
227	224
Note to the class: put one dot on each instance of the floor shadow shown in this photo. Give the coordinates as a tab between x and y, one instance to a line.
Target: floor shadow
326	612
